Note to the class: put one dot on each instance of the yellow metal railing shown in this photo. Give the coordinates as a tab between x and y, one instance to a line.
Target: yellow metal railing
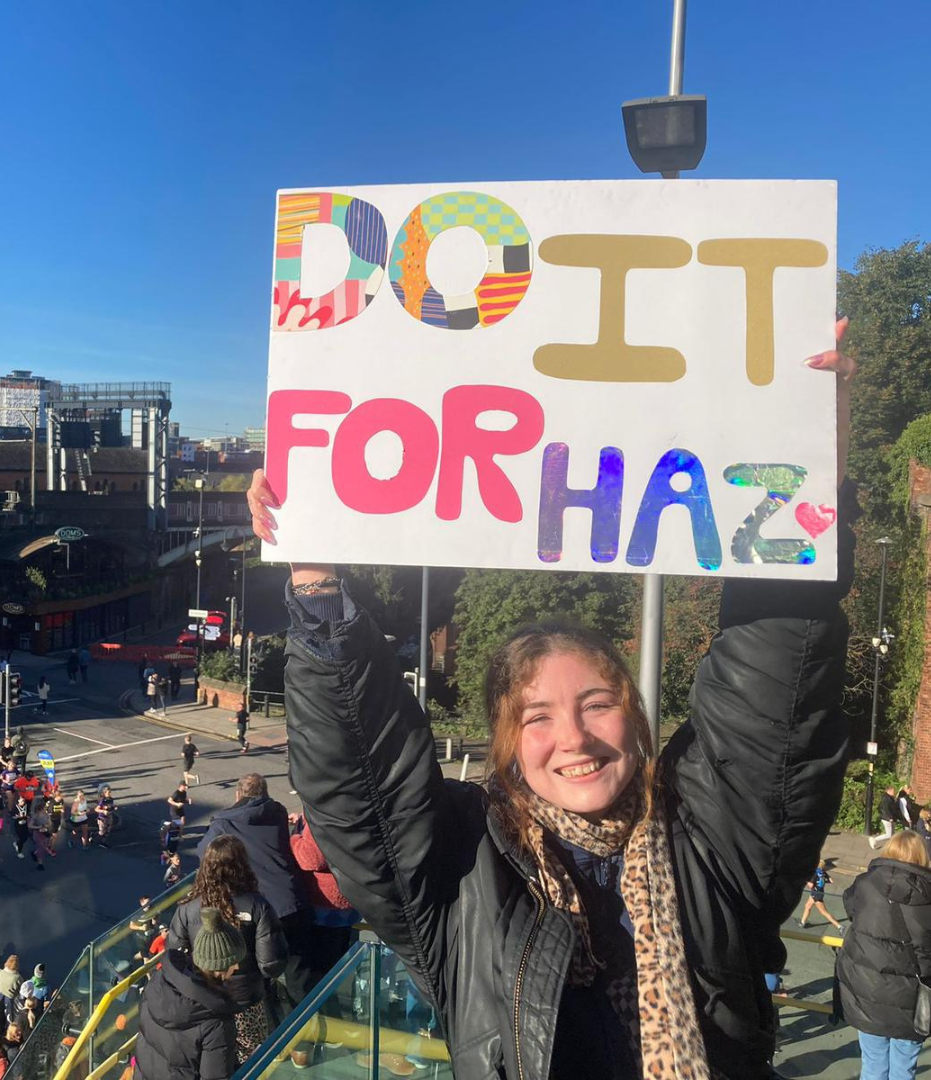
356	1036
786	1001
324	1029
116	1058
167	900
90	1028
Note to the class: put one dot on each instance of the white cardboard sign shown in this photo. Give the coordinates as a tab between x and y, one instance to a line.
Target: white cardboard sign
579	375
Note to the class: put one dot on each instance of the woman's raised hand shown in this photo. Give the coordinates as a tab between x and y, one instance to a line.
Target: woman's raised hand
845	367
262	500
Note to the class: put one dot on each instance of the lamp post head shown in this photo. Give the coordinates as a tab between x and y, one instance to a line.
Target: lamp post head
666	134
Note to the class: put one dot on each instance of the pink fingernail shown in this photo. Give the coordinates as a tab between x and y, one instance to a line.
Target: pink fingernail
815	361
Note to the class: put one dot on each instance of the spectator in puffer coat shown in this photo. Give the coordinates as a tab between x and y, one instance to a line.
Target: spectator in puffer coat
334	915
886	951
186	1028
225	881
262	825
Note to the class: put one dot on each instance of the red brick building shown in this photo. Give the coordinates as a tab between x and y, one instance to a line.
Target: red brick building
920	487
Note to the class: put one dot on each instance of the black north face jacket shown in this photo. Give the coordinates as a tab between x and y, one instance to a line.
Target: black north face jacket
751	783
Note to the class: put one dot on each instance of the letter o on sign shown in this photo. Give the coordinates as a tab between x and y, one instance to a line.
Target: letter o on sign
352	481
506	277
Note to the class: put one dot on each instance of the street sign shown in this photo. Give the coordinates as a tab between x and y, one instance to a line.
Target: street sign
68	534
872	749
13	609
197	613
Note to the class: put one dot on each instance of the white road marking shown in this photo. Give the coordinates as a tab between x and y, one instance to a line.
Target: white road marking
86	738
51	701
119	746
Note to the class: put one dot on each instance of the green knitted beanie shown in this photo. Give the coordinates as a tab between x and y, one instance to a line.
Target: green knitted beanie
217	945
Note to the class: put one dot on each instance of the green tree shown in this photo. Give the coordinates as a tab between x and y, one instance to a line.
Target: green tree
234	482
888	299
691	621
36	579
492	603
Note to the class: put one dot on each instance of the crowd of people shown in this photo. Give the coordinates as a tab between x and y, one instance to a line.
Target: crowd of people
23	999
264	921
37	814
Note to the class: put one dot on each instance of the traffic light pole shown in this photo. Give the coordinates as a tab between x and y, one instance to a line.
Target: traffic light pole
248	670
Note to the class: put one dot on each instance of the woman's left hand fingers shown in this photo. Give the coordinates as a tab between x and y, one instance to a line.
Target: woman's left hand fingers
835	360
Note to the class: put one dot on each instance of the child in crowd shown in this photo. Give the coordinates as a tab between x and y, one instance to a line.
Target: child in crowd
173	871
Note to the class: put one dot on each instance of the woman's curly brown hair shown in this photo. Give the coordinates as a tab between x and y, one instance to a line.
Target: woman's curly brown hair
224	873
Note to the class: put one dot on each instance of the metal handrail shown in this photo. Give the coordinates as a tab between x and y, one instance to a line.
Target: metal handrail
112	937
114	1059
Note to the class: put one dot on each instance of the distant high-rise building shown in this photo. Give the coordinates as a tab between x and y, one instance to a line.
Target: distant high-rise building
255	438
20	393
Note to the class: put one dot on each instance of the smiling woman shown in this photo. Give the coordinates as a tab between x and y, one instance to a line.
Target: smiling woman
566	721
596	912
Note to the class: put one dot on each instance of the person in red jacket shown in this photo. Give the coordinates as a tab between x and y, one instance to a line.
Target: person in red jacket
27	785
334	916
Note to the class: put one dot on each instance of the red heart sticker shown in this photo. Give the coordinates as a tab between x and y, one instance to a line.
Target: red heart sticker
815	519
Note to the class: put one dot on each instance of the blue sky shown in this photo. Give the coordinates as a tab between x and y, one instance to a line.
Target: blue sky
143	144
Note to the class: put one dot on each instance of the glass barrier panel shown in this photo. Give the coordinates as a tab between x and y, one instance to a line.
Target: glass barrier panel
365	1020
408	1036
126	945
46	1047
311	1038
106	961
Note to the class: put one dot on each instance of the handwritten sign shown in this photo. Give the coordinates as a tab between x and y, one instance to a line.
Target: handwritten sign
570	375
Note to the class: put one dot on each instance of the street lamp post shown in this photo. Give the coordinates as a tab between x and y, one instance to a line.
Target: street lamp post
424	637
880	651
199	484
227	547
665	135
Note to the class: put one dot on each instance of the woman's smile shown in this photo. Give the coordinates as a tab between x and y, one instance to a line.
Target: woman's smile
577	748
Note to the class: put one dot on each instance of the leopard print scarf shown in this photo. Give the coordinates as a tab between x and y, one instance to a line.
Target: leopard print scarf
654	1003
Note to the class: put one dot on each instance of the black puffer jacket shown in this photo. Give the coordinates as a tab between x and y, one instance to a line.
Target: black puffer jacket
751	784
887	948
186	1028
266	948
262	825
